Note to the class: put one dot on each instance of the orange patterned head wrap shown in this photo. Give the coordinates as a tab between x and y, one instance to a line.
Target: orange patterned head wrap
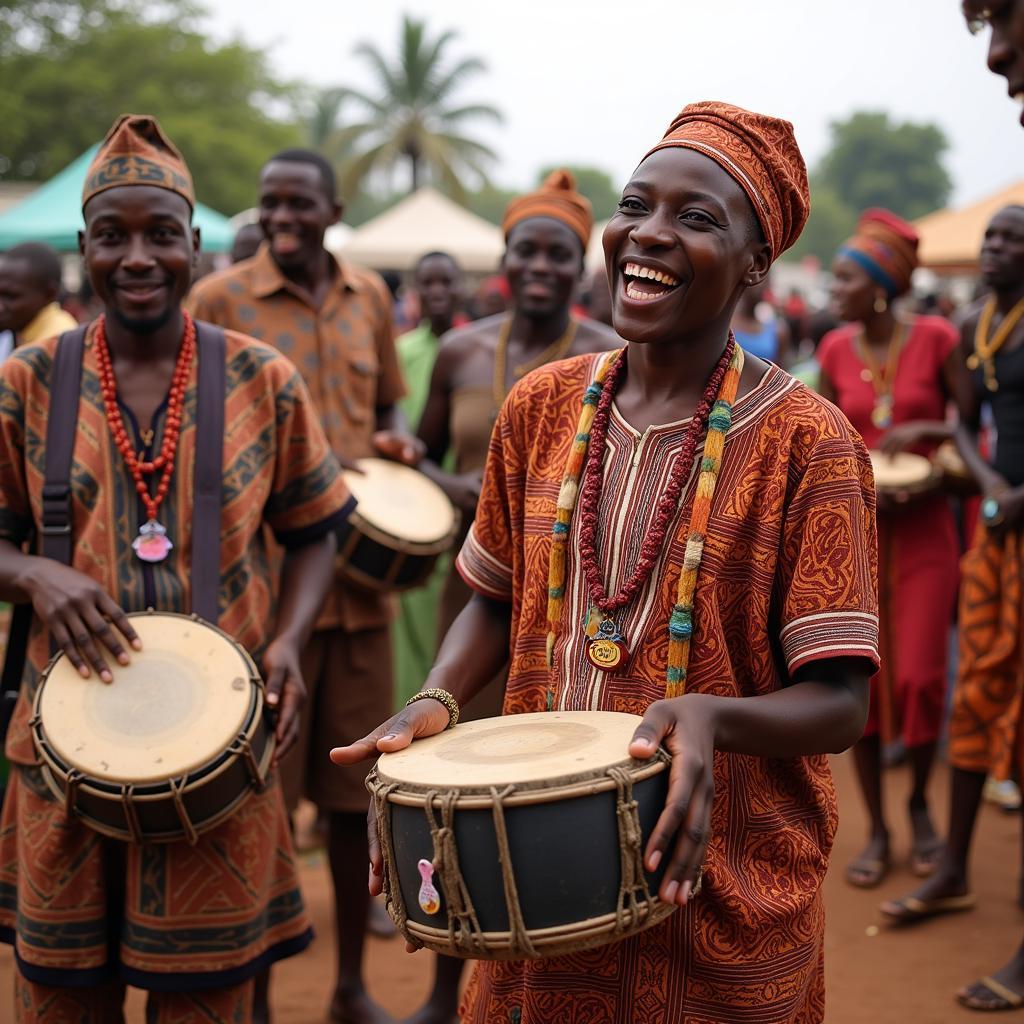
760	153
136	152
886	247
556	198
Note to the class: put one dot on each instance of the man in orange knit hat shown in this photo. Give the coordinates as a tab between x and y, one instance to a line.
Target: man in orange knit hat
192	923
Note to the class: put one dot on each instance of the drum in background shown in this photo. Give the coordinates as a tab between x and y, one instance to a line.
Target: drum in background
902	473
953	469
402	522
169	749
521	836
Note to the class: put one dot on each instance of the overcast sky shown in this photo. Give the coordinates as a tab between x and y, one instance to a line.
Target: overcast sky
590	82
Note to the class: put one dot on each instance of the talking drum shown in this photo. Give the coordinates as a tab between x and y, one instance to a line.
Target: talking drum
902	473
402	522
521	836
169	749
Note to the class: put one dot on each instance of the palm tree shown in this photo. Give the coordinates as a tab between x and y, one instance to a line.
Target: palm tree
410	117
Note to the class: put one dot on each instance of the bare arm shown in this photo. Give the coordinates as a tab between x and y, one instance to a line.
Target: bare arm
824	710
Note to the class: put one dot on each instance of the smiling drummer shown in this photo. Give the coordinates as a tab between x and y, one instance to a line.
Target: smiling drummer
688	534
192	924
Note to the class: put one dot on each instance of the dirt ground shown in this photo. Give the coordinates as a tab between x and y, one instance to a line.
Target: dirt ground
875	975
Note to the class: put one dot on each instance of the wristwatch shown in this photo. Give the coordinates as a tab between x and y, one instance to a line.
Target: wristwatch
991	512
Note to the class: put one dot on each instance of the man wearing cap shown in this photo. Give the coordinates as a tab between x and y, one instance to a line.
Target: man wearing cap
192	924
335	322
30	276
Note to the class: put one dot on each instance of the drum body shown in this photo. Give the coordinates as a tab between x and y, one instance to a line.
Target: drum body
402	522
530	829
169	749
903	472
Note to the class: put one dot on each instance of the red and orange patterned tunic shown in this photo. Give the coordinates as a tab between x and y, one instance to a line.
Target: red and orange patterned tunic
81	908
788	577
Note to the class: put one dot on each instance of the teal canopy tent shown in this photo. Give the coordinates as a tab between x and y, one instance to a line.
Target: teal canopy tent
53	214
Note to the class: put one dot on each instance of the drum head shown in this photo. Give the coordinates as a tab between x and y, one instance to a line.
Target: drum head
515	749
401	502
904	469
182	700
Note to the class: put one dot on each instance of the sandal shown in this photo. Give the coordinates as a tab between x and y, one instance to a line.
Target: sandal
866	872
987	994
910	909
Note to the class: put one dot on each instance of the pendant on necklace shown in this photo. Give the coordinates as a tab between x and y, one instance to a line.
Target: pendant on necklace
607	650
152	543
881	414
973	361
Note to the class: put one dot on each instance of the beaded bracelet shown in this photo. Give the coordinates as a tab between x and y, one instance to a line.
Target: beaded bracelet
435	693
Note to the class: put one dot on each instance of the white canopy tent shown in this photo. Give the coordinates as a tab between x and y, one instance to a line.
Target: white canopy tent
420	223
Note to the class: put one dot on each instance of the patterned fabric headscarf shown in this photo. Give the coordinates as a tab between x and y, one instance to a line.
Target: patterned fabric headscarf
760	153
886	247
556	198
136	152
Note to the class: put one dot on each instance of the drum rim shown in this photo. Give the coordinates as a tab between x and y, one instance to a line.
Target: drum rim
255	712
391	540
539	791
918	483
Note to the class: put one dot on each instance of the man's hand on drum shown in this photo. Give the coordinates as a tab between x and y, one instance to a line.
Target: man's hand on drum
286	691
400	447
426	717
684	726
80	616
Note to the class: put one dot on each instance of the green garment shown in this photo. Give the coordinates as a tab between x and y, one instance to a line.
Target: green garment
414	634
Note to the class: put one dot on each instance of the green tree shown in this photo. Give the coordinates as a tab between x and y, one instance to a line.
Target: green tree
873	161
411	119
67	69
595	184
490	201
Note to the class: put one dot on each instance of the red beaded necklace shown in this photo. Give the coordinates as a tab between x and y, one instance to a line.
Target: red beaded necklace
604	604
152	543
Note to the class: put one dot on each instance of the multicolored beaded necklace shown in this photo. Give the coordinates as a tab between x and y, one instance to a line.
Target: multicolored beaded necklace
607	647
152	544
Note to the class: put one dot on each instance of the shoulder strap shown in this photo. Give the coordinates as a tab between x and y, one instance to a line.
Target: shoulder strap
56	540
208	472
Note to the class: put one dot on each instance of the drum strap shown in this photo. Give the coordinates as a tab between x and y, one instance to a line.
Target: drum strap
55	539
208	479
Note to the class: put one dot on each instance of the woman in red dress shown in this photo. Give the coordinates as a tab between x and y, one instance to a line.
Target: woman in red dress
894	377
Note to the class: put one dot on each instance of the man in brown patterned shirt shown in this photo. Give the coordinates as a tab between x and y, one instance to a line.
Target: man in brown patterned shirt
334	322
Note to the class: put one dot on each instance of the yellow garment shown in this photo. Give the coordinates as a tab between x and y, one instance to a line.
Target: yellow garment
50	321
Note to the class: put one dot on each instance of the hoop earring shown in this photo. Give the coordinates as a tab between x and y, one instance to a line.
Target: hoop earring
881	305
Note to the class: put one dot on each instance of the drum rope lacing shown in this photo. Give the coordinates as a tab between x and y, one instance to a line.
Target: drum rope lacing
464	931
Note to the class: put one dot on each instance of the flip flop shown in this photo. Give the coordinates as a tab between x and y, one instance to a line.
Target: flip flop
1004	998
866	872
910	909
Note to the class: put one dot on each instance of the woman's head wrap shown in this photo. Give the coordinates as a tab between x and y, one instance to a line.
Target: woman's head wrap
885	246
760	153
556	198
136	152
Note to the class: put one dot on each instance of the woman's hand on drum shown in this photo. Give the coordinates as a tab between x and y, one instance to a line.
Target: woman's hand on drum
684	726
907	435
80	616
400	447
286	691
425	717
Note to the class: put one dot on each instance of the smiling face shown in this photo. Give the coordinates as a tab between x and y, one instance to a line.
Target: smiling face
295	211
140	250
439	284
543	263
681	248
1005	19
1002	251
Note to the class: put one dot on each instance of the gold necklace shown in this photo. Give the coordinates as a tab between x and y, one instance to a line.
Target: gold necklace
882	379
987	344
556	350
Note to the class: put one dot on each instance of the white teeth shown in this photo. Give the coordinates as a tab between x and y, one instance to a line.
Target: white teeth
650	274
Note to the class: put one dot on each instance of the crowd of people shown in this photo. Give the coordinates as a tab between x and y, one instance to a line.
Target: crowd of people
663	457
